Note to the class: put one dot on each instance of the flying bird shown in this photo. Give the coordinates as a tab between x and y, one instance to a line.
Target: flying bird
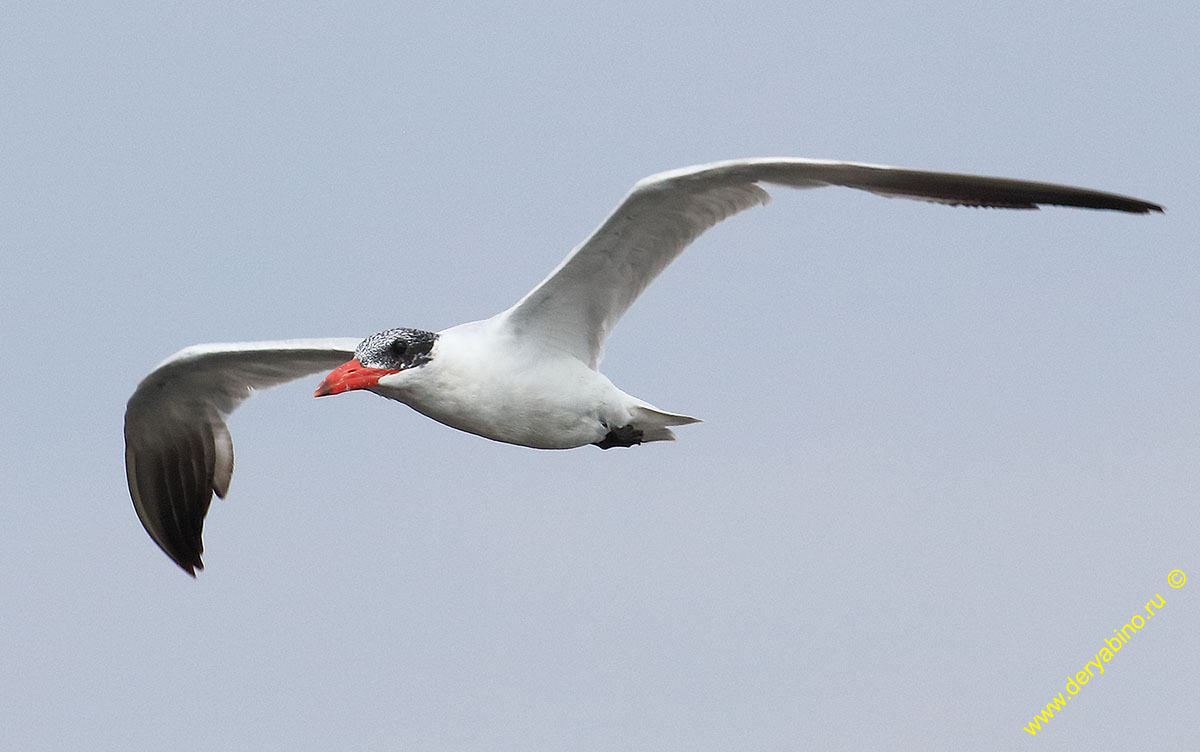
528	375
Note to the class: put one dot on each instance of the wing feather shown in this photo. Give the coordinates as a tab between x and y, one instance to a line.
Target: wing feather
178	450
575	308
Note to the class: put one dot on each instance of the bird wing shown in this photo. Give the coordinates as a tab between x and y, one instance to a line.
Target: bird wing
575	308
178	450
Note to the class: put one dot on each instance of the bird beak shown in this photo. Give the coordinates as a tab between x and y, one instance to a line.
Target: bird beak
350	375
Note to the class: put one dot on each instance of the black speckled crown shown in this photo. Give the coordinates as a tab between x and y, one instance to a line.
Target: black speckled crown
396	349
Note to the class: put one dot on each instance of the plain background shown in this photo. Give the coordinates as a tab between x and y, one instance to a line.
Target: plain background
945	451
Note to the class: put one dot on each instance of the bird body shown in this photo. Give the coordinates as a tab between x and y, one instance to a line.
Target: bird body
487	380
528	375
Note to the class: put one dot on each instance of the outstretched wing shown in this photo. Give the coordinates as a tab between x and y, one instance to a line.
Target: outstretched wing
177	447
574	309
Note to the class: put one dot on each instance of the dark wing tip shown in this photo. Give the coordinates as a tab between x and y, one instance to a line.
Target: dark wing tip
171	485
979	190
184	550
1004	198
1127	204
189	567
182	522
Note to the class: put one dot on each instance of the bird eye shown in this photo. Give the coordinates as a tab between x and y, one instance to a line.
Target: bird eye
398	348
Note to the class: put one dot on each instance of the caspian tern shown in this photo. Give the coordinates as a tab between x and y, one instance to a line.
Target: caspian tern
525	376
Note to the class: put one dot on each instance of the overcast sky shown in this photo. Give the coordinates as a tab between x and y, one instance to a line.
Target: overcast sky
945	451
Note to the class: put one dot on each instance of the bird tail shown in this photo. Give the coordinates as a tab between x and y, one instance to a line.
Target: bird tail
654	423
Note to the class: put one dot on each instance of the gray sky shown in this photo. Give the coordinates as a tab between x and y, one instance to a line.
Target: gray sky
945	452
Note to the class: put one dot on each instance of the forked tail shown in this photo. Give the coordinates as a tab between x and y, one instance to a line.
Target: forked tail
654	423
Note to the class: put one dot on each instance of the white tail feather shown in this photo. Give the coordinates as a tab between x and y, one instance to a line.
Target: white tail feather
654	423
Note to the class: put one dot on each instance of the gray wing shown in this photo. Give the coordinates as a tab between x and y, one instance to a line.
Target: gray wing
177	447
574	309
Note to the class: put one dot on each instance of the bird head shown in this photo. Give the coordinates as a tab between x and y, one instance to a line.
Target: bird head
380	355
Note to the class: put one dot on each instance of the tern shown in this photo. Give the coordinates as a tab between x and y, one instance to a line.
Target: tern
527	375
